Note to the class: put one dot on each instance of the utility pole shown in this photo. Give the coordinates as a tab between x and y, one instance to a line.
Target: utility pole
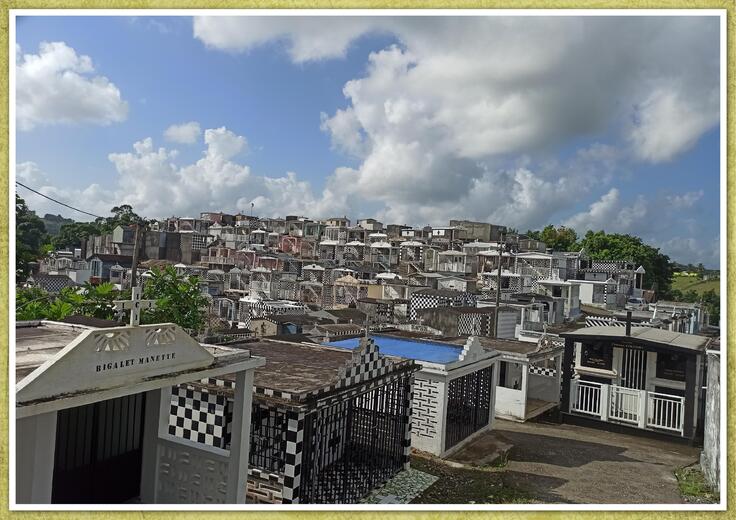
134	272
501	249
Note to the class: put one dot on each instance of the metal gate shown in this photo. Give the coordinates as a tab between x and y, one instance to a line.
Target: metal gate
625	398
468	405
355	444
98	452
633	368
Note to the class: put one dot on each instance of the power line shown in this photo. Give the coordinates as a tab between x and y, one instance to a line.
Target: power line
57	201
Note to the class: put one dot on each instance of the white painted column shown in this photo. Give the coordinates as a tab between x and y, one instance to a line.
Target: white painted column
239	446
643	398
605	403
651	372
35	445
524	388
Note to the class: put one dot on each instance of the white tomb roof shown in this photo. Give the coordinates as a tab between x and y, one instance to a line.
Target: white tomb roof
380	245
61	365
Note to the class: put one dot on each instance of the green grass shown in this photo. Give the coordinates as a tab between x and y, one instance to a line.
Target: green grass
691	283
466	485
693	486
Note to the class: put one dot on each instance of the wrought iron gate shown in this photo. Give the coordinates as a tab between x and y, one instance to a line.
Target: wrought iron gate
355	444
468	405
98	452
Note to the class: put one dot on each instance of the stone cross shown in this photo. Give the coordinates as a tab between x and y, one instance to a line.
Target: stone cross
135	304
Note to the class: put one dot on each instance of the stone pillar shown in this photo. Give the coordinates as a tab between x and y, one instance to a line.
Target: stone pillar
35	444
237	480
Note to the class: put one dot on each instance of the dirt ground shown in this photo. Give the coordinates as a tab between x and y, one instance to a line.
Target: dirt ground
465	485
561	463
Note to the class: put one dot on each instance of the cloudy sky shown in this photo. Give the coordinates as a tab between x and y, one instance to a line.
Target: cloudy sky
592	122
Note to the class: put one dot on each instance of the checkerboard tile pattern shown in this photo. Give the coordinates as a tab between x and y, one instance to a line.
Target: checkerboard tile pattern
199	416
542	371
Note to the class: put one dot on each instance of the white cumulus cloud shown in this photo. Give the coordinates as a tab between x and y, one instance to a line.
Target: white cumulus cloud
435	118
667	124
151	180
58	86
185	133
305	40
685	200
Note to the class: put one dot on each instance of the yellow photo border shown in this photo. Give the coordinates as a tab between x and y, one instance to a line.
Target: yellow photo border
5	262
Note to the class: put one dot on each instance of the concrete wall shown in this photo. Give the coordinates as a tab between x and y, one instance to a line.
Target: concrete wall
441	319
507	324
35	442
264	488
546	388
510	403
428	413
711	455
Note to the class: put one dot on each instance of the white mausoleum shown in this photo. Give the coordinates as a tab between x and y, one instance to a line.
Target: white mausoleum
92	410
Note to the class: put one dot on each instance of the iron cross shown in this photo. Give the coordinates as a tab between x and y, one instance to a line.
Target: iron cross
135	304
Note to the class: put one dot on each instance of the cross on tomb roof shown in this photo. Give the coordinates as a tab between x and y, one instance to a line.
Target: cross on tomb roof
135	304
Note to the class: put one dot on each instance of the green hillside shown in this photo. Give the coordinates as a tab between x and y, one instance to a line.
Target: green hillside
692	283
53	223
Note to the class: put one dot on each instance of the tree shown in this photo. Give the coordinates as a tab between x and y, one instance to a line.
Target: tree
75	233
601	246
700	270
178	300
712	303
98	301
121	216
558	239
30	303
36	304
534	235
72	235
30	236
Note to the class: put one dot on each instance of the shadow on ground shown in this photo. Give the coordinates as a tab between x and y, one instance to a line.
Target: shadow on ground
542	485
561	451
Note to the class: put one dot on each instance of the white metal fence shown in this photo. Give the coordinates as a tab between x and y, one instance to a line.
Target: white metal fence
665	411
586	397
624	404
639	408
